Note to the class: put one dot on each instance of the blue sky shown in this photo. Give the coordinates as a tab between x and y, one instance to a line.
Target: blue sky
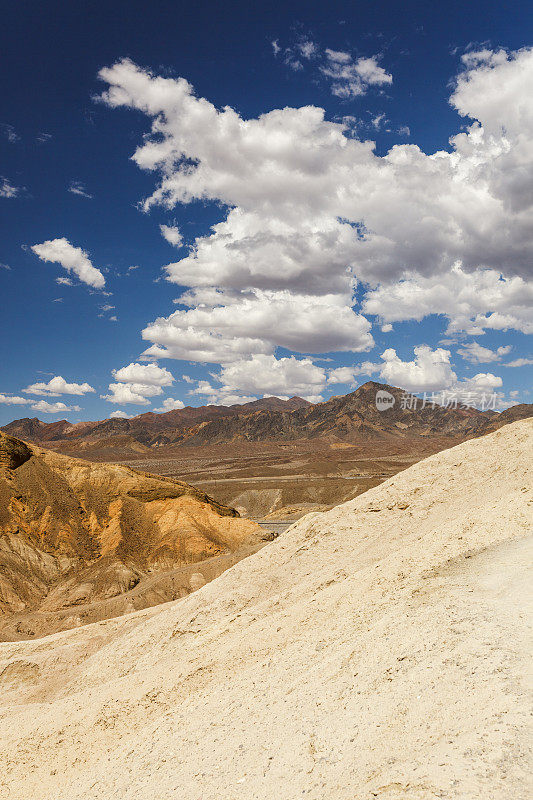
333	260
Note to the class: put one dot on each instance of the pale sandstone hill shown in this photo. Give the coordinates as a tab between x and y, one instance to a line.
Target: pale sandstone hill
378	650
82	541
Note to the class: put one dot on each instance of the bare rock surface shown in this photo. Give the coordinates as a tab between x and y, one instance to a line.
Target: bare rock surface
378	650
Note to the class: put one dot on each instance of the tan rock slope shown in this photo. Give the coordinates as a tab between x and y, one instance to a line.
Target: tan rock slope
82	541
379	650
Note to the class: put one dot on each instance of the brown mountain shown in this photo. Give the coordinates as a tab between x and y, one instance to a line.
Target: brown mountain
148	428
81	541
348	418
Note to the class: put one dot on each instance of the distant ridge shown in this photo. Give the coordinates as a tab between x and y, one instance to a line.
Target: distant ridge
351	418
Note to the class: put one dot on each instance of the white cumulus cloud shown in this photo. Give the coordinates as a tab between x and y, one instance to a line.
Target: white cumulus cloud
57	386
45	407
14	400
429	371
170	404
312	212
73	259
149	374
477	354
351	78
172	234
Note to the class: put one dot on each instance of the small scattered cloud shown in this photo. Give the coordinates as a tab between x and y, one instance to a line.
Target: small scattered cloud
118	414
77	187
379	121
105	308
42	138
348	76
132	268
9	133
73	259
7	189
519	362
404	130
64	281
352	78
5	266
172	234
307	48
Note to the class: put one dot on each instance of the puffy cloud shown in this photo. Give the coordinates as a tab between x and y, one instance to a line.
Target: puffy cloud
347	375
429	371
118	414
149	374
77	187
57	386
312	210
291	166
472	302
131	393
519	362
477	354
169	404
73	259
53	408
7	189
13	400
267	375
219	396
222	326
171	234
136	383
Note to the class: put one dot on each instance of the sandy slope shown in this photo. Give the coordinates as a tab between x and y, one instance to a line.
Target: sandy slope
377	650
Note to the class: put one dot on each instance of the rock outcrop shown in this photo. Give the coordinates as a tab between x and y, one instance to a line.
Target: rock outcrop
73	534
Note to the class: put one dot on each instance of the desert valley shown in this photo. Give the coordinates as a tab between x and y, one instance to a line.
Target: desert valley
84	538
266	418
350	641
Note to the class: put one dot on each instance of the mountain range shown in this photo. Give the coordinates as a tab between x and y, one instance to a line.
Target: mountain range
350	418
